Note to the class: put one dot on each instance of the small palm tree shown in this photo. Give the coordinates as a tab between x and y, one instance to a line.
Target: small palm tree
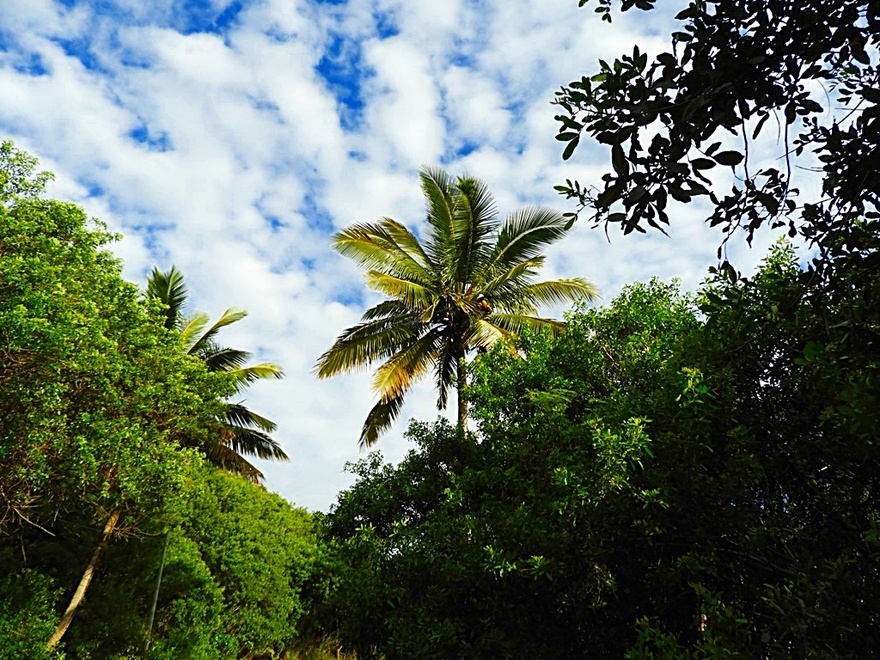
469	285
243	431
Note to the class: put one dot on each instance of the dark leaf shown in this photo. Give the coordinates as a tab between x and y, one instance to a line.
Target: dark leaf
702	163
731	158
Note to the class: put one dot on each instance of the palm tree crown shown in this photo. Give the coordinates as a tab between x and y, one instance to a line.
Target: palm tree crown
470	284
242	430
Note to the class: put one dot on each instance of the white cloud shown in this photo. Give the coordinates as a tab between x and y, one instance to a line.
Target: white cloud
231	157
475	106
405	103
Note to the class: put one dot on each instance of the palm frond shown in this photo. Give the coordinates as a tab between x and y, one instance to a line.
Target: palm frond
230	316
411	294
516	324
239	415
222	358
190	328
485	333
228	459
513	302
252	442
475	217
428	311
405	239
513	278
365	343
244	376
386	309
444	373
436	186
374	246
561	291
524	234
398	372
379	419
169	288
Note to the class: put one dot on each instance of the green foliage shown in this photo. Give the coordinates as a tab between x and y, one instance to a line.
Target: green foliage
18	178
102	411
672	476
241	569
189	620
259	551
27	615
237	568
96	399
804	73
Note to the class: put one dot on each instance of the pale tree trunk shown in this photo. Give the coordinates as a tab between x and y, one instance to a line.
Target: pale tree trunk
86	580
156	592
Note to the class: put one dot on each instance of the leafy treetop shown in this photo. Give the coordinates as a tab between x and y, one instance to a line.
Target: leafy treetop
18	178
738	69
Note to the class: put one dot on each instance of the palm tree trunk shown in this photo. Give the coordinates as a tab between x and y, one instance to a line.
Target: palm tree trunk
86	580
461	381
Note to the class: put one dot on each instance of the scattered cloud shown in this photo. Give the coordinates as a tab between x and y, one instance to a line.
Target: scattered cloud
232	137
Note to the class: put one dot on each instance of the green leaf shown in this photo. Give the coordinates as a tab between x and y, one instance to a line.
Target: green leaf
619	161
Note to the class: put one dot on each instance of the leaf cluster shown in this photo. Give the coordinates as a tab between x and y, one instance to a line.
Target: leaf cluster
737	70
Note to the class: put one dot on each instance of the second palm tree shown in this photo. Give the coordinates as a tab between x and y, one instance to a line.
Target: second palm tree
242	431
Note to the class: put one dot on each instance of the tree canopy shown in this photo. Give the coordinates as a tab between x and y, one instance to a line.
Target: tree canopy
740	74
97	401
674	476
105	417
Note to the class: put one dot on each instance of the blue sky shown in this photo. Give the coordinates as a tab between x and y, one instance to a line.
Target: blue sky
232	138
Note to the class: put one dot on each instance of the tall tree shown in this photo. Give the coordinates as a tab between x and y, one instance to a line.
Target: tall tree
243	431
239	430
470	284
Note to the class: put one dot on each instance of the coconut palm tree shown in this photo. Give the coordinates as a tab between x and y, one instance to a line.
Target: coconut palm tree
243	431
470	284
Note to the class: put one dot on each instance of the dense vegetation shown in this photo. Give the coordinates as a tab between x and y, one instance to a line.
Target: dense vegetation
674	475
107	422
